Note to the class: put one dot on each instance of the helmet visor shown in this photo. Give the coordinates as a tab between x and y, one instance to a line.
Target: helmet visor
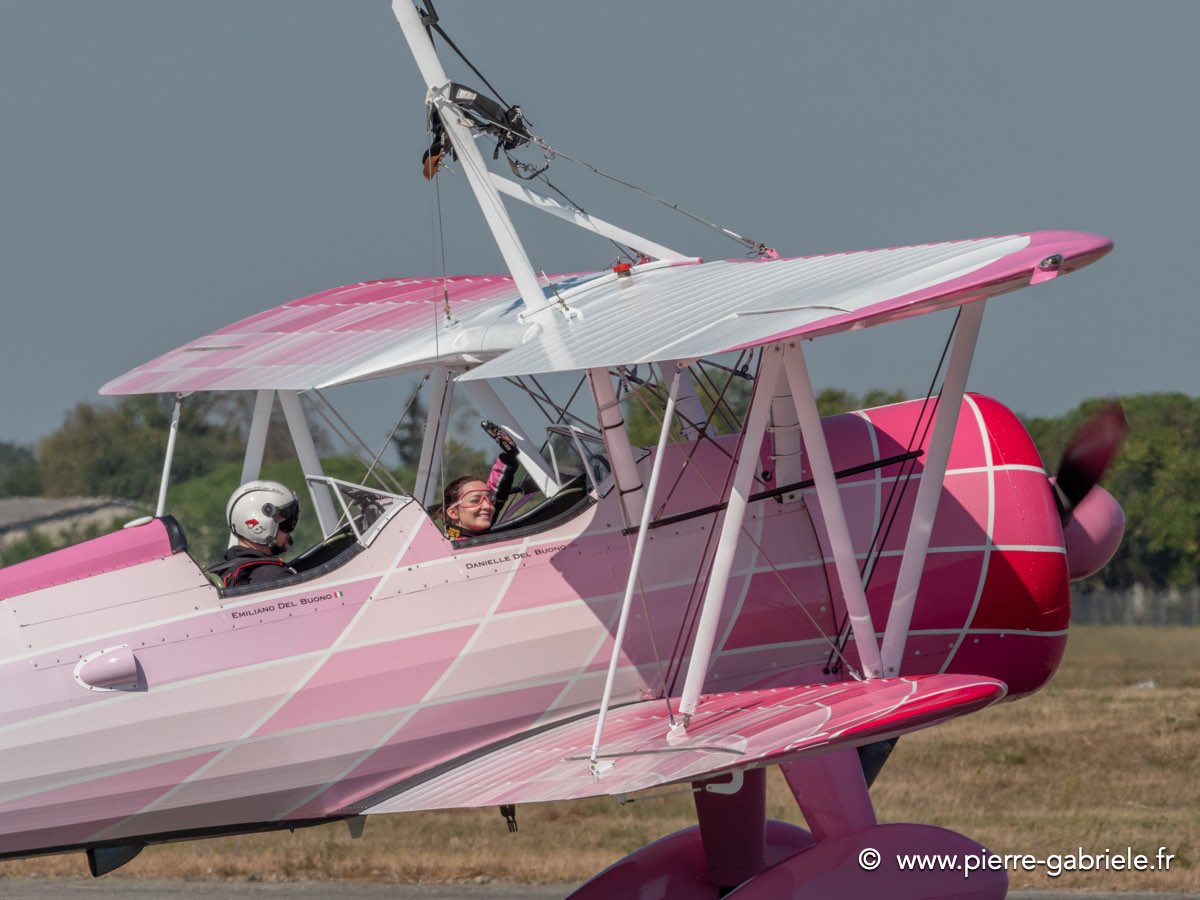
288	516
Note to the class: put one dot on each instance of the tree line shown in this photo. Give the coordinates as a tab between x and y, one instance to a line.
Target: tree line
116	450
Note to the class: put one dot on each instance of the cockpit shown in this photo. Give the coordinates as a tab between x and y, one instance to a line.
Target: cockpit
575	476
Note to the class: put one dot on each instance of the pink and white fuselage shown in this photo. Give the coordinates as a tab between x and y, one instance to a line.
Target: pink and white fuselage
317	700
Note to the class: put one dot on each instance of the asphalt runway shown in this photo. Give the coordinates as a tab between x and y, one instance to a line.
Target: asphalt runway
119	888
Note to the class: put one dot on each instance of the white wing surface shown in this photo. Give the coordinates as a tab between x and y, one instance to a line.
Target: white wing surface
689	312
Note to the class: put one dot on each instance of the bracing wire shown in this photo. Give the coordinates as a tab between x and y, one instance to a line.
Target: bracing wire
363	451
756	247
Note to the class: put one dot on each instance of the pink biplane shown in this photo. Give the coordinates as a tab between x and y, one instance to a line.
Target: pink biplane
798	592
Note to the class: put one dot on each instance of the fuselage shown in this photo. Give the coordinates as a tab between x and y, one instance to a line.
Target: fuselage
294	704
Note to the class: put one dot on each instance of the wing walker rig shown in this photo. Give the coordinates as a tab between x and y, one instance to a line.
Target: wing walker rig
785	590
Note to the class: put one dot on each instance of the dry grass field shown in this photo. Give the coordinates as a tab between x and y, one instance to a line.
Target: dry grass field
1107	757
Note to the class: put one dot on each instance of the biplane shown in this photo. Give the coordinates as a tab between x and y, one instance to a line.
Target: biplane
795	591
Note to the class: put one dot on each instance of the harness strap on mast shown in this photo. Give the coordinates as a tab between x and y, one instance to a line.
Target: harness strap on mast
430	20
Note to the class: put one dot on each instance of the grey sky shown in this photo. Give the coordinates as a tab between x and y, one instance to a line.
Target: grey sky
172	167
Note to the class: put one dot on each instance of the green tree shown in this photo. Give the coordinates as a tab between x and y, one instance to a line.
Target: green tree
832	401
724	397
19	472
117	450
1156	479
409	435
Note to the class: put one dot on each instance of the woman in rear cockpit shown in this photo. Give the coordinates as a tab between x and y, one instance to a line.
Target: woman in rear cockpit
472	504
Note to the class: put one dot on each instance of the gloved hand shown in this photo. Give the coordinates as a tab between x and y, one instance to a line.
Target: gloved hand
508	446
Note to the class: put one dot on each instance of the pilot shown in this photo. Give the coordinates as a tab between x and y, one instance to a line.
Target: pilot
471	504
262	516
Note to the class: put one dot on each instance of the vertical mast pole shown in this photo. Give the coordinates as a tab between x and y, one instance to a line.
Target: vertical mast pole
475	169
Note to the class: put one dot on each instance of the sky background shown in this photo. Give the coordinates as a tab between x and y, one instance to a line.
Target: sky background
169	168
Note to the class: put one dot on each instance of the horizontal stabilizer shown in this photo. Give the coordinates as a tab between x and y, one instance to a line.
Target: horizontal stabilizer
728	731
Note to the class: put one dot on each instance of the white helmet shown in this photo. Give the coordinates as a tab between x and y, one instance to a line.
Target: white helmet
254	508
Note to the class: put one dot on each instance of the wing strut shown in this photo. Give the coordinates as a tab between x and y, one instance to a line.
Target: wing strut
173	433
616	444
310	463
437	420
256	441
631	584
831	509
731	529
916	546
587	222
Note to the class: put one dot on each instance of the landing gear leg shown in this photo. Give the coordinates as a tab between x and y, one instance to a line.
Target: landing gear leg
855	856
733	829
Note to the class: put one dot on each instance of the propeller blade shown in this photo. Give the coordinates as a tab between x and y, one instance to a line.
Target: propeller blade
1089	453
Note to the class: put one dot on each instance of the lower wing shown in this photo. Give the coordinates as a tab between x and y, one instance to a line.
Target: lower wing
728	732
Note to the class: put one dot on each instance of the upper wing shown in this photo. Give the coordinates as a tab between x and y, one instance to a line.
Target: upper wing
689	312
664	311
344	334
729	731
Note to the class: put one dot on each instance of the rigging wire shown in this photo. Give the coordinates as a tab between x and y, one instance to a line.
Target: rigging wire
834	648
704	431
564	414
363	451
506	132
720	404
518	168
439	256
755	247
692	611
